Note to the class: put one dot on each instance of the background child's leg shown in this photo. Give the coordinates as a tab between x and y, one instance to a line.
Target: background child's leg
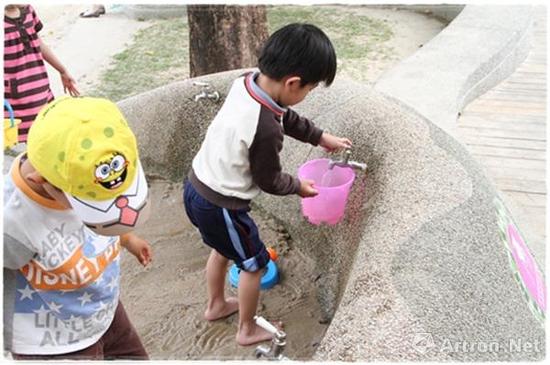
218	306
249	292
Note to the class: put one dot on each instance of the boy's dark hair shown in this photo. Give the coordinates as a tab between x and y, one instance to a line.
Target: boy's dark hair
300	50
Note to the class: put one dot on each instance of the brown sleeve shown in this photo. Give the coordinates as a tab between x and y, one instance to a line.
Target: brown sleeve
263	155
301	128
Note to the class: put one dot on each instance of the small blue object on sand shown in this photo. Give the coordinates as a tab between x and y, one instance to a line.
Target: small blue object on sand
269	279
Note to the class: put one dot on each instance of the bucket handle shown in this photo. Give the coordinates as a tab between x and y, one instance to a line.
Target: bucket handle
10	111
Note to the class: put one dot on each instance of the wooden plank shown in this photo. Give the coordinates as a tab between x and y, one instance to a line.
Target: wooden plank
494	103
528	199
505	117
533	96
528	186
519	77
512	163
511	108
514	95
536	95
497	151
513	83
515	173
530	68
518	84
476	140
480	119
504	109
509	125
523	79
505	131
488	132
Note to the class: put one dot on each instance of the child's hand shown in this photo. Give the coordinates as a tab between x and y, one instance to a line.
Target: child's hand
332	143
69	84
306	188
138	247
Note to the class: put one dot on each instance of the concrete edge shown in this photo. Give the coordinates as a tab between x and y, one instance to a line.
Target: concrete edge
506	63
443	12
509	40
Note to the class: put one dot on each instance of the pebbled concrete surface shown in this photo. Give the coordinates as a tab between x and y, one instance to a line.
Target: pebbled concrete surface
419	253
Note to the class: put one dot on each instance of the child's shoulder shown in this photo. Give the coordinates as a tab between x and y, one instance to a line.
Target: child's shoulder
28	10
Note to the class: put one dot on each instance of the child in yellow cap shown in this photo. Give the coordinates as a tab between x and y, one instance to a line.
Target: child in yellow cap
70	204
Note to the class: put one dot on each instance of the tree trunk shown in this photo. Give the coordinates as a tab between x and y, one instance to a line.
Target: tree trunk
223	37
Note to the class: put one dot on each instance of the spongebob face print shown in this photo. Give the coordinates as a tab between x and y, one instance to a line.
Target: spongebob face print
116	216
112	173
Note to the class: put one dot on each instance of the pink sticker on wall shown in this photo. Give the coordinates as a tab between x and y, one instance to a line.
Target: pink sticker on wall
527	267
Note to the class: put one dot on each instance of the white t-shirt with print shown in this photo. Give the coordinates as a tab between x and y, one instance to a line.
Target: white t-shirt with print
61	280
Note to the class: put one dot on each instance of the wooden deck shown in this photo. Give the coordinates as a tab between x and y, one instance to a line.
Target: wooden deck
505	129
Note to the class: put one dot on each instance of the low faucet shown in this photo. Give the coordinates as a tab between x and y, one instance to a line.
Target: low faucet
345	162
206	93
278	343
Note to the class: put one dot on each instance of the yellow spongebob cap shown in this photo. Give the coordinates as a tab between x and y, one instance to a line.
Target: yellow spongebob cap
85	147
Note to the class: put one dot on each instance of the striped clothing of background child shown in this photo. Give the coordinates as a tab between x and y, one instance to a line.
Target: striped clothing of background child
26	84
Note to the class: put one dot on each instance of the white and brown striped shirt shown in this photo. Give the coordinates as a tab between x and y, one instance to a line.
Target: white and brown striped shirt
239	156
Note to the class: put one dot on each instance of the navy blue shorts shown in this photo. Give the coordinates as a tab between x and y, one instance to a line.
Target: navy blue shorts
230	232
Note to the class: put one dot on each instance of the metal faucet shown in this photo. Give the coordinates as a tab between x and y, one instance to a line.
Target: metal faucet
278	342
206	93
345	162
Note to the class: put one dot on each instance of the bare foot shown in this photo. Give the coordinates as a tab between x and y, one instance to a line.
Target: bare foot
227	308
255	335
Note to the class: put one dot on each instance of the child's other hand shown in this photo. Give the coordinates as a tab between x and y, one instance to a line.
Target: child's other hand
332	143
138	247
306	188
69	84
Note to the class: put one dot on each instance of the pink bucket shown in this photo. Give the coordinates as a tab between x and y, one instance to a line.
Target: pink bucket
333	185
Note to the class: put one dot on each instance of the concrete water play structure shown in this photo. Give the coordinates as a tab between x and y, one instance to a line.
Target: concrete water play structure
428	264
420	251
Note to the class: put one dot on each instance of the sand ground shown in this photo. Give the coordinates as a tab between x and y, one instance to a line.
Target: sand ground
166	301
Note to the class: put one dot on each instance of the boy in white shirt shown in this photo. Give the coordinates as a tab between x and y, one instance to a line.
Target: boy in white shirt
70	203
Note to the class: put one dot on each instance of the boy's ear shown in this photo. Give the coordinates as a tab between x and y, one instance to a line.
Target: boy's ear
293	82
35	177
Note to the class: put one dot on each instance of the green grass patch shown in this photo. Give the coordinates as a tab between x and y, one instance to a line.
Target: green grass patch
159	54
352	34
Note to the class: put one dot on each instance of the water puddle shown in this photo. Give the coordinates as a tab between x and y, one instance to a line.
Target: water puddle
166	301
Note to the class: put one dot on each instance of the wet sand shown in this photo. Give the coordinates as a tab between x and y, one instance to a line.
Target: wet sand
167	300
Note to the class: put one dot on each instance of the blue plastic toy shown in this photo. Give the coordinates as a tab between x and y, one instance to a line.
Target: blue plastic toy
269	279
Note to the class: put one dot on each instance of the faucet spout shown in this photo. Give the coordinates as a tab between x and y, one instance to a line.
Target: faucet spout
261	351
206	92
358	165
345	162
278	343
